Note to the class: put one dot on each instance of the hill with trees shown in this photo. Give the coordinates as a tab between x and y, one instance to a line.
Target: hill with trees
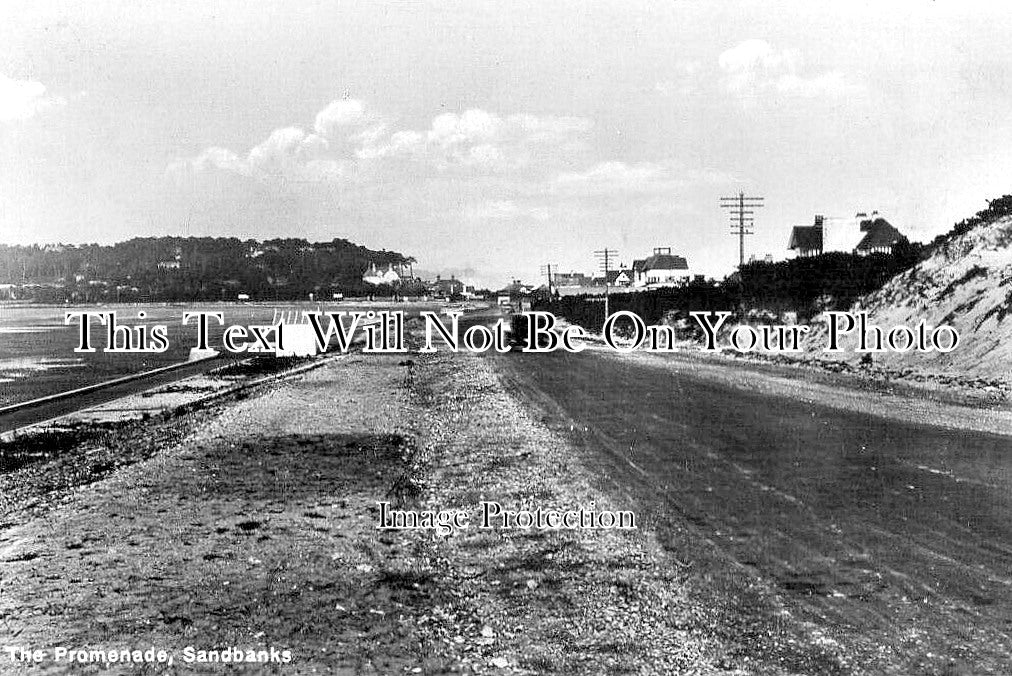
192	269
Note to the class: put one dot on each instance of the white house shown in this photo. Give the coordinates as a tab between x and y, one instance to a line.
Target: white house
661	269
862	235
376	277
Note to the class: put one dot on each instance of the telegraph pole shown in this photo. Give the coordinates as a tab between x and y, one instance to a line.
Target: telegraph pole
604	258
742	212
546	270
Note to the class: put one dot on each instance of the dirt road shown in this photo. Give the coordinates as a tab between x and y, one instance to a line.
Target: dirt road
888	540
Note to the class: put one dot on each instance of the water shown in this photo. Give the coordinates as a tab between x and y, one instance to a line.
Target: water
37	348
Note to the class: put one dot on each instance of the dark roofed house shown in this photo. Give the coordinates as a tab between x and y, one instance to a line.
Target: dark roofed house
880	237
446	288
516	288
663	269
861	235
620	277
806	240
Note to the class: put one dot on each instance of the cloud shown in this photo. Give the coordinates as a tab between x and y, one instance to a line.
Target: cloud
754	68
287	153
285	148
479	140
24	99
215	158
347	138
504	210
640	178
338	116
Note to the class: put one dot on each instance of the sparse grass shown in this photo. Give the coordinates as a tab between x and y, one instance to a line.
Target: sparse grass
972	273
28	448
538	663
405	579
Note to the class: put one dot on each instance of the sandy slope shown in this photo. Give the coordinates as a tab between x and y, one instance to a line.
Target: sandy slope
967	284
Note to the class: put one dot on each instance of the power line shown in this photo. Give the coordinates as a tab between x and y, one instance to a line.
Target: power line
742	212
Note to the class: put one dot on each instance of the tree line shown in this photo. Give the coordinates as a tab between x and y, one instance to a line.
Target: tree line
193	269
804	286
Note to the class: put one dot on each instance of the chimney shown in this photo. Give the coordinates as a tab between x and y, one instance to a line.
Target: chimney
819	218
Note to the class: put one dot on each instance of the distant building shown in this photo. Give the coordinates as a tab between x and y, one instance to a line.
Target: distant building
861	235
515	289
621	277
660	269
447	287
375	276
879	237
172	263
566	279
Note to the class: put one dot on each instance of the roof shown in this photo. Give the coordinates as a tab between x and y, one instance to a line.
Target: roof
878	233
515	287
571	279
664	262
447	284
614	274
638	265
806	238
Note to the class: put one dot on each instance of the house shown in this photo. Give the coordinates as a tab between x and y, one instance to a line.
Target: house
861	235
620	277
879	236
660	269
447	288
375	276
806	240
566	279
515	289
172	263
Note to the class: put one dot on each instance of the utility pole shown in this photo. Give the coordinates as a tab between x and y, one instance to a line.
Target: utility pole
742	211
546	270
604	258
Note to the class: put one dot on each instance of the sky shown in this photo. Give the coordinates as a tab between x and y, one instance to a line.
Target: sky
486	139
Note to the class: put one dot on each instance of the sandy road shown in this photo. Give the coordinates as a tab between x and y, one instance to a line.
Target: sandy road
883	536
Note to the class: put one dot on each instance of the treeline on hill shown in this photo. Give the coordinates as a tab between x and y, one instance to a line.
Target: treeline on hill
192	268
996	209
831	281
806	286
